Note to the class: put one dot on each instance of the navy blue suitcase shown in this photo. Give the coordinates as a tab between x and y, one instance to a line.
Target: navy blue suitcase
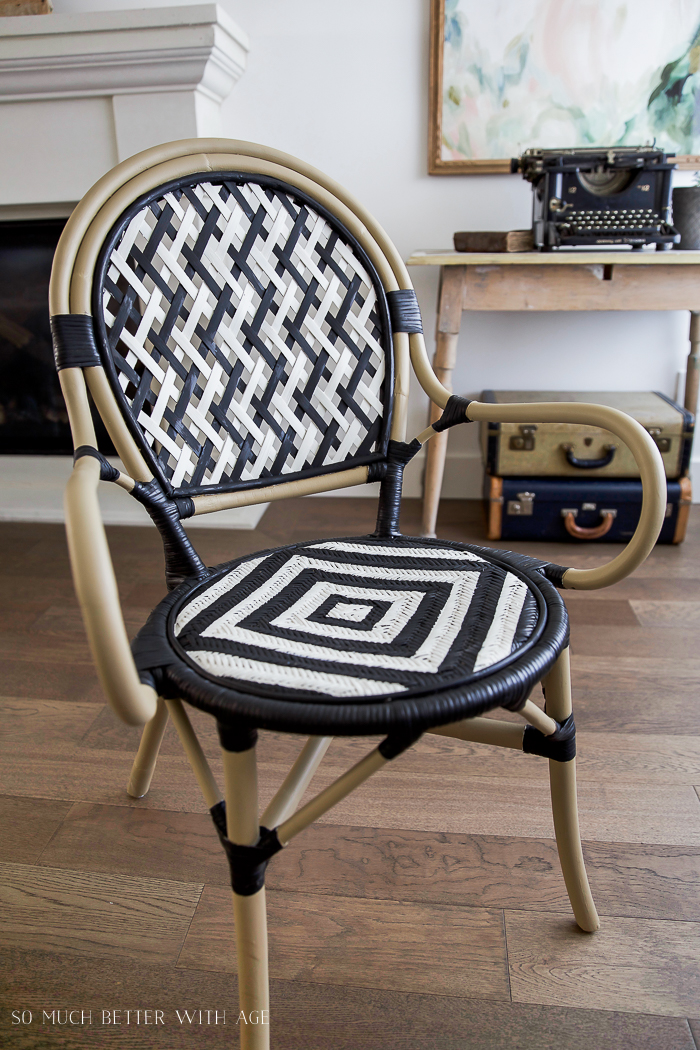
577	509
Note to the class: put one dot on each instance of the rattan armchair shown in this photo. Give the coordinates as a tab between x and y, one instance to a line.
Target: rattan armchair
247	332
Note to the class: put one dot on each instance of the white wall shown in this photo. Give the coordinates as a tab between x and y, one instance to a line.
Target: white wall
344	85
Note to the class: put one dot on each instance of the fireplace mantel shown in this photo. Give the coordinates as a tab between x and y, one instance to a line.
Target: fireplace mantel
80	92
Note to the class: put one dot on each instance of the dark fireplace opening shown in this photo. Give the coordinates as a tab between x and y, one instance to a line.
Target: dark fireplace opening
33	417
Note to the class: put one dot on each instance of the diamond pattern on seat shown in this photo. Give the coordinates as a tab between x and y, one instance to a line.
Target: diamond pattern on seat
351	620
245	333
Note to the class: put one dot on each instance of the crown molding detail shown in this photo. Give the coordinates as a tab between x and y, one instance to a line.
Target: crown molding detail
197	48
81	92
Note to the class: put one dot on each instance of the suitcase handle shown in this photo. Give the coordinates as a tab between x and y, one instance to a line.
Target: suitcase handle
594	533
588	464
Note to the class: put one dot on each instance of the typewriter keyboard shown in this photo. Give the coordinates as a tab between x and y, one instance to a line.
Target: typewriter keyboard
611	221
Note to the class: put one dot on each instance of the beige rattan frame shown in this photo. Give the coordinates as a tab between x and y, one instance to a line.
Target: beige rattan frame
71	285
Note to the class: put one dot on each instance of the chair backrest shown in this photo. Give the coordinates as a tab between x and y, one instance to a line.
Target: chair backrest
245	334
242	324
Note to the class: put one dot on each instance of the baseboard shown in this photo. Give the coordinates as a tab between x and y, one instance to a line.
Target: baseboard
32	487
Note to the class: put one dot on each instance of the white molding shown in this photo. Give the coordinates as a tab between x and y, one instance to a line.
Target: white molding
81	92
47	210
197	48
32	490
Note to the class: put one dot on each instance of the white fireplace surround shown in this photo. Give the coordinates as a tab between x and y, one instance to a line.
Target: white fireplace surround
78	94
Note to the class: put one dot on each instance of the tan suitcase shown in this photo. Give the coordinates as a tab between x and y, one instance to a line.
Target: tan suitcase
569	450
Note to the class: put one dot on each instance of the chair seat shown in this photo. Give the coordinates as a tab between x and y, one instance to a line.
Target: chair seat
357	635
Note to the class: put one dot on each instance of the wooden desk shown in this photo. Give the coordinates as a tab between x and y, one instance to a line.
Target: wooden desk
563	280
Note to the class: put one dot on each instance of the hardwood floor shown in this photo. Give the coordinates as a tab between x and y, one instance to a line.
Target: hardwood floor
426	911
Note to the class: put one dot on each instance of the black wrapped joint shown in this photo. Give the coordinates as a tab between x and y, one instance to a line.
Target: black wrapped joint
454	412
561	745
181	559
398	455
555	573
398	742
185	506
107	471
404	311
239	736
247	863
74	343
376	471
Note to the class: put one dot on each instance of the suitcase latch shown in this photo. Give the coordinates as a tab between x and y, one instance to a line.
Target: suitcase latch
663	444
522	506
524	441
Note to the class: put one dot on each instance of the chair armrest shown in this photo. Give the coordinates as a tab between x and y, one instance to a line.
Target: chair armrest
96	587
646	456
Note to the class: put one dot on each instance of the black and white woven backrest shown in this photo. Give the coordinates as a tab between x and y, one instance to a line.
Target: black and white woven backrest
245	333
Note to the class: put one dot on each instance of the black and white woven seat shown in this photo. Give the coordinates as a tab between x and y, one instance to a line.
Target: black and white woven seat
248	333
357	635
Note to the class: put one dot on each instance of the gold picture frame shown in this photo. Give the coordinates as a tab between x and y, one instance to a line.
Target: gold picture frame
437	163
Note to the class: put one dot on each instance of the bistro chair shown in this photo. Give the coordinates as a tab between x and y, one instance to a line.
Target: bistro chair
247	332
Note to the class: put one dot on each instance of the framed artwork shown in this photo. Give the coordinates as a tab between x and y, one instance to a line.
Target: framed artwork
507	75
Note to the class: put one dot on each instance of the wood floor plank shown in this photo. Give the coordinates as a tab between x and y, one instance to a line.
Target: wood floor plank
80	775
590	613
620	757
632	642
632	758
639	587
627	879
93	914
20	590
629	964
66	621
393	798
50	681
147	843
440	950
28	825
144	595
30	648
34	722
636	695
622	665
676	614
695	1030
609	812
626	757
107	733
304	1016
20	616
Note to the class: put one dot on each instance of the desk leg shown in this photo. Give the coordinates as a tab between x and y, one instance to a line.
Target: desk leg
450	301
692	375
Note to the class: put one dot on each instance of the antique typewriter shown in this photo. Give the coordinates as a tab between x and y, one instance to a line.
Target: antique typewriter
604	196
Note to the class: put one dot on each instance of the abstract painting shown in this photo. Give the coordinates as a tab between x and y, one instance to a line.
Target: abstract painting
512	74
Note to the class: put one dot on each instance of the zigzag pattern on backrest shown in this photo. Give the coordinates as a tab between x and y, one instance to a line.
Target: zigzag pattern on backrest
246	334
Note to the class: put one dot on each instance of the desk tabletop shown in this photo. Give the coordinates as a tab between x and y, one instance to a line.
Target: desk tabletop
555	258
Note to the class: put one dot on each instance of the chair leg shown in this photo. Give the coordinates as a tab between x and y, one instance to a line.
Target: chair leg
562	780
147	754
249	911
250	918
